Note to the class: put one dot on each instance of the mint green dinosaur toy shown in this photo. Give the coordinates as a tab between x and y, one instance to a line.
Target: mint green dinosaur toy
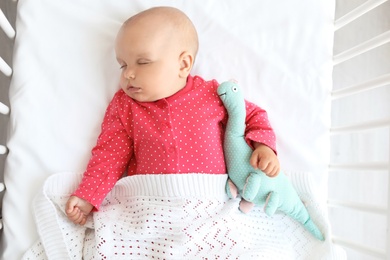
253	185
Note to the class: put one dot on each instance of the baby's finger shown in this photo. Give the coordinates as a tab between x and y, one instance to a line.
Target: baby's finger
274	171
83	221
80	219
71	204
76	216
264	165
253	161
69	207
268	170
72	212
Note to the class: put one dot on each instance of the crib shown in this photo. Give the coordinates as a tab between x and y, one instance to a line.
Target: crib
356	57
333	73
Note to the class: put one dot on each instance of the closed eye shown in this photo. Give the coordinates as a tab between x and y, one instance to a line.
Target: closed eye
143	62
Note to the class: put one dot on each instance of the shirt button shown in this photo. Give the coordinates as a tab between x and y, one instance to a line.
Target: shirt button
171	149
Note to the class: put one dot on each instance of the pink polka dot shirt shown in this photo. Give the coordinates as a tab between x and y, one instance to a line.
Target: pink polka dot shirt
176	135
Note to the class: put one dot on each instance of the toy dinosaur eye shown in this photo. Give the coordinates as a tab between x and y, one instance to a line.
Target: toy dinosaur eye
235	89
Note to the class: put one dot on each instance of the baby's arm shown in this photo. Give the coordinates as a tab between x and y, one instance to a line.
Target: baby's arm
265	159
78	209
258	128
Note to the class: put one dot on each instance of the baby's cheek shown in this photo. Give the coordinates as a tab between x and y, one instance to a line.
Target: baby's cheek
122	84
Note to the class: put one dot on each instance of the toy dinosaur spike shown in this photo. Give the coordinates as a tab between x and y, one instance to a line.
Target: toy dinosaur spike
254	186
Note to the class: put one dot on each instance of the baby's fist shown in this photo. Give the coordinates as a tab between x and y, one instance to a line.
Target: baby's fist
265	159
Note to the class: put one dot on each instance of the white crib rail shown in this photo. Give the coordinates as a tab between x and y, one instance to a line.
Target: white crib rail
344	93
6	69
5	25
362	48
377	82
356	13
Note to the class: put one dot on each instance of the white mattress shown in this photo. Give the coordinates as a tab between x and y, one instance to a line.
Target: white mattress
65	73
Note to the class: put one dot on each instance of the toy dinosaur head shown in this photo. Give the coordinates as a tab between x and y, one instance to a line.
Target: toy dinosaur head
231	96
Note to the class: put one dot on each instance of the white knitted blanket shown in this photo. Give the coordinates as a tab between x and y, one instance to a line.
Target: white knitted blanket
185	216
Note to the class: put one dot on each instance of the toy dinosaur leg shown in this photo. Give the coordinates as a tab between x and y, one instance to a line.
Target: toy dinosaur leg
246	206
251	187
231	189
272	203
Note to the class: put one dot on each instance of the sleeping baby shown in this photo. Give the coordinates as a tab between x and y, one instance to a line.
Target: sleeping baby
163	120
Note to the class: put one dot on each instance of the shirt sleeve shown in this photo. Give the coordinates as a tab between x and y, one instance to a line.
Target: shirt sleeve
258	127
109	158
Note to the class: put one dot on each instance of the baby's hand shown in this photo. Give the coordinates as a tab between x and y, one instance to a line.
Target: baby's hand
265	159
77	210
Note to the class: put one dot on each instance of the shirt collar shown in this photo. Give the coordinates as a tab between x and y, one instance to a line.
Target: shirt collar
183	91
165	101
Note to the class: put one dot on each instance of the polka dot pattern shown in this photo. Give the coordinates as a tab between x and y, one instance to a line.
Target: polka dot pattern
179	134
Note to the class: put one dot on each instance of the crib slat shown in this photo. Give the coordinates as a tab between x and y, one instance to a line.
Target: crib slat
381	167
373	166
377	82
4	109
6	26
5	68
357	206
359	247
360	127
362	48
3	149
357	12
388	213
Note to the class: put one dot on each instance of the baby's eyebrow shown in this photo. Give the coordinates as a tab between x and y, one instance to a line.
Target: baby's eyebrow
144	55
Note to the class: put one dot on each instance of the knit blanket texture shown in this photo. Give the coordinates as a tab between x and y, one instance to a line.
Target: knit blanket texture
174	216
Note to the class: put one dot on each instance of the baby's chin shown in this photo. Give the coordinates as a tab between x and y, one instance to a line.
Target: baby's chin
142	98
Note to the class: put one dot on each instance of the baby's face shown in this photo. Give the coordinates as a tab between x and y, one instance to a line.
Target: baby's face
150	62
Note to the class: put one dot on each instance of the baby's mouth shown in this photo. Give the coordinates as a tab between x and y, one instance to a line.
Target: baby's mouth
222	96
133	89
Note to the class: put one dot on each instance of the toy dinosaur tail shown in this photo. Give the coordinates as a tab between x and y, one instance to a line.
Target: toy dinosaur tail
295	210
301	214
303	217
312	228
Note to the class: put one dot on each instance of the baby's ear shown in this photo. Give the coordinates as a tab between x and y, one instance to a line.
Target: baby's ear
186	62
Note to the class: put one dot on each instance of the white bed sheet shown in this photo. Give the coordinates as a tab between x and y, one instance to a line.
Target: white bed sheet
65	73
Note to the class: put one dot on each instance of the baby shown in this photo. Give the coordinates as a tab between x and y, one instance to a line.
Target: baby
163	120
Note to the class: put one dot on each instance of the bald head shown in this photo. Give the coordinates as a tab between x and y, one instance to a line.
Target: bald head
156	51
168	20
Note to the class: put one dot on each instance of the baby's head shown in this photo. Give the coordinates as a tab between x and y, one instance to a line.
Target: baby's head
156	50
